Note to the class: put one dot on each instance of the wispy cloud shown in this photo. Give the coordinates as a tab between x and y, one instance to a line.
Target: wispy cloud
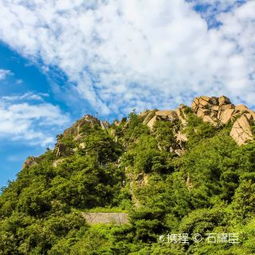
26	96
33	122
4	73
137	54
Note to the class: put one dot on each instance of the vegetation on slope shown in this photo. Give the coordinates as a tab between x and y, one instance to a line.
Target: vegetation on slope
209	188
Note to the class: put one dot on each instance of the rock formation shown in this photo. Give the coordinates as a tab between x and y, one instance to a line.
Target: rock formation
76	130
215	110
86	120
30	161
176	116
241	130
220	111
150	117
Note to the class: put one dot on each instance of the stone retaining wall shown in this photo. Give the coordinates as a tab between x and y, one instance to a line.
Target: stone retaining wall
106	218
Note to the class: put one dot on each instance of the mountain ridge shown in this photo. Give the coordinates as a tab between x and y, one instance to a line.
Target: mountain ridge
214	110
169	171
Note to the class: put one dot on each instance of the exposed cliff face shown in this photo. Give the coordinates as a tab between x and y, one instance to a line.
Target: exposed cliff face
215	110
150	117
220	111
242	129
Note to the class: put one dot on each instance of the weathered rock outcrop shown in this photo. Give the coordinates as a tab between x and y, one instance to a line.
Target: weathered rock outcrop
76	132
241	130
57	162
215	110
220	111
86	120
151	117
177	116
60	149
167	115
30	161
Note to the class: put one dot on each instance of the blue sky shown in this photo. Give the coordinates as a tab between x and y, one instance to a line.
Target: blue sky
26	77
62	59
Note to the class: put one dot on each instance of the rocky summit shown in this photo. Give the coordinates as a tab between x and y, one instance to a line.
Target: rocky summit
217	111
220	111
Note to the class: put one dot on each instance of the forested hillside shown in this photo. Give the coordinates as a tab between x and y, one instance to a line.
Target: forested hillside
185	177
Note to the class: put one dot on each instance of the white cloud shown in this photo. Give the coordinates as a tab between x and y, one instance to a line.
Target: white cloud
26	96
33	122
4	73
137	53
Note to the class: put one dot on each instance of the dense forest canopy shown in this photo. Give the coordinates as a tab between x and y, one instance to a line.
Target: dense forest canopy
185	178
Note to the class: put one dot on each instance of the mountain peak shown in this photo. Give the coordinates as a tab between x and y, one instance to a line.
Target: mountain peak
220	111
